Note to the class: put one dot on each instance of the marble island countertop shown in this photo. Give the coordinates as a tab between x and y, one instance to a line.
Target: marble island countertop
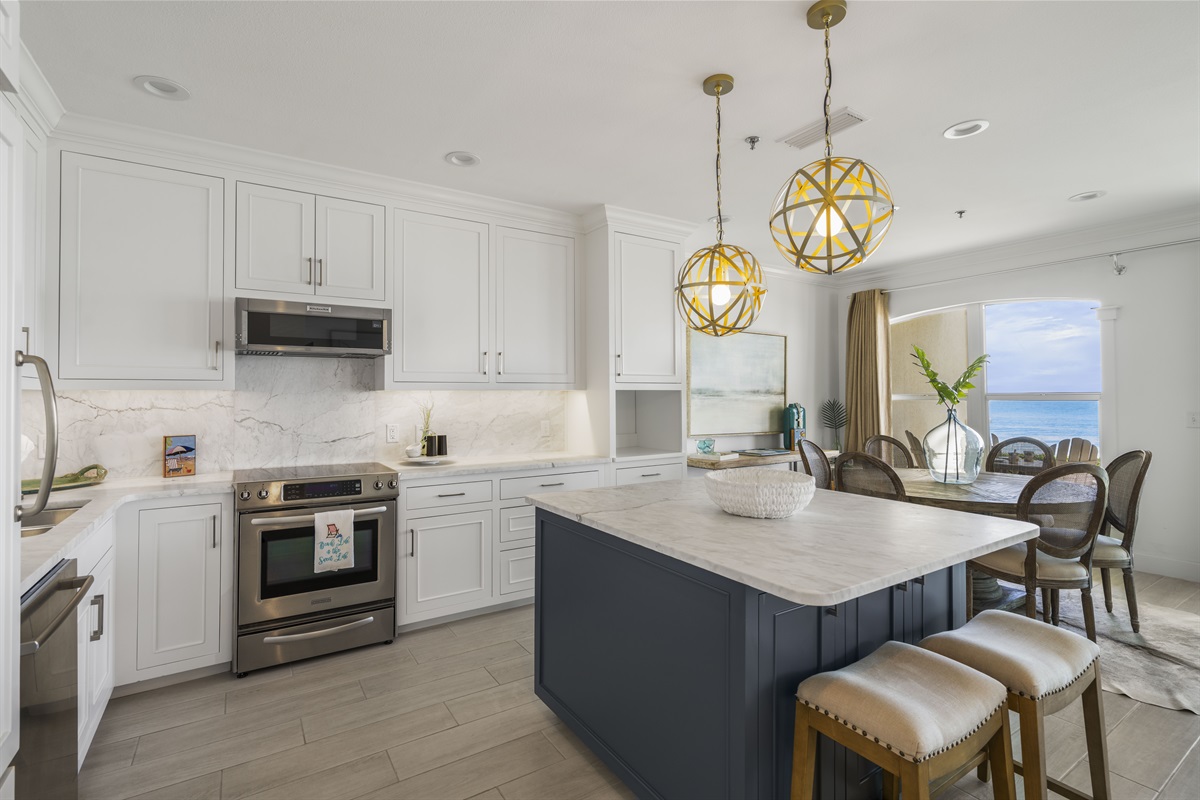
840	547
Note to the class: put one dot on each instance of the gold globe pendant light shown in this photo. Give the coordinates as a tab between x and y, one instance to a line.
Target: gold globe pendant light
720	288
832	214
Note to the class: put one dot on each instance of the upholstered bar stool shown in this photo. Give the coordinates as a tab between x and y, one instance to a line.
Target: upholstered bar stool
920	716
1045	669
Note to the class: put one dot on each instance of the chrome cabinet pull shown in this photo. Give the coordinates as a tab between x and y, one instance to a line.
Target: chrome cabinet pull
25	330
310	271
485	362
412	542
560	483
98	600
453	494
214	531
320	271
651	474
500	363
618	365
216	355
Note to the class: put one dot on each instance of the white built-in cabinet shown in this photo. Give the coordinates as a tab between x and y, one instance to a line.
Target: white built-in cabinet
96	653
141	272
649	334
296	243
482	304
440	316
177	614
535	307
449	561
33	182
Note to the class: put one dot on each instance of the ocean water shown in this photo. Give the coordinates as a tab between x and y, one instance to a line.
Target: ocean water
1051	421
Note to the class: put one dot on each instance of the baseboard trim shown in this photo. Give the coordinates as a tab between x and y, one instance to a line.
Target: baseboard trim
1170	567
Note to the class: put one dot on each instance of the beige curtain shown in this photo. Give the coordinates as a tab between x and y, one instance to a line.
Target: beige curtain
868	373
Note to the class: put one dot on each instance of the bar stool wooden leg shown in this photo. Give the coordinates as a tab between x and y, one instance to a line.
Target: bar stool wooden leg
804	758
1033	746
890	786
1097	742
914	781
999	757
1106	580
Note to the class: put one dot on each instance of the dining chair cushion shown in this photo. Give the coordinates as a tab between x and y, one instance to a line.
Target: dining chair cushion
1011	561
1031	658
1109	551
912	701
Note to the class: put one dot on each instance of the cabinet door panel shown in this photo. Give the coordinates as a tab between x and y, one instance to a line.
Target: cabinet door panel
535	307
349	249
33	216
441	300
141	265
450	561
179	584
649	332
275	239
517	570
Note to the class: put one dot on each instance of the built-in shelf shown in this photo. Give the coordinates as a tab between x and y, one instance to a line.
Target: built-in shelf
649	422
640	453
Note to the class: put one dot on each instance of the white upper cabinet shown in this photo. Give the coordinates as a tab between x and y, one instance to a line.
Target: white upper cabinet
648	331
141	272
535	307
298	243
33	180
440	313
10	46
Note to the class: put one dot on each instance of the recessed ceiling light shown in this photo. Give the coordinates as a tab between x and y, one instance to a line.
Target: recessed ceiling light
1084	196
961	130
165	88
461	158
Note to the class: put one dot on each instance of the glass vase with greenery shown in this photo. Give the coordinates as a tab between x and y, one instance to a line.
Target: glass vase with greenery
953	451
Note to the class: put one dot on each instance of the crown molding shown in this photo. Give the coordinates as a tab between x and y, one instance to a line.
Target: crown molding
636	222
1049	247
85	130
37	95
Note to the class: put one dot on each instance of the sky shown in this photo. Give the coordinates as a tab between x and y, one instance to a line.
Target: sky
1042	346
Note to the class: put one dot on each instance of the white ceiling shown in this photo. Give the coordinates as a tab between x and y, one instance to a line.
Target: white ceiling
573	104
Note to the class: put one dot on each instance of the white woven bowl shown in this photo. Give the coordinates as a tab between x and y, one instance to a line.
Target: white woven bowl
759	492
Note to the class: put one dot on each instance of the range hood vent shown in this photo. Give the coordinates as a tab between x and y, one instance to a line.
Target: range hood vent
814	132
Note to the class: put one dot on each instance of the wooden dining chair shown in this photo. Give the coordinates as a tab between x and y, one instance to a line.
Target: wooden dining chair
1021	455
1076	451
1126	474
816	463
863	473
916	450
1075	496
890	450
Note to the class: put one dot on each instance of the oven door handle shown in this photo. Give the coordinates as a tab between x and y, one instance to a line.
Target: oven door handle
299	637
309	517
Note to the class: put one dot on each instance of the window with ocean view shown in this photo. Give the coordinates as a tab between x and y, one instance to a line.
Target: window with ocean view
1043	378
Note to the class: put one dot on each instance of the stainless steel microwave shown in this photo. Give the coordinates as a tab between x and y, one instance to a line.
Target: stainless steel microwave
277	328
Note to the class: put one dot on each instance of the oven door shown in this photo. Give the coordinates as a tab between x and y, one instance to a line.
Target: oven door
275	563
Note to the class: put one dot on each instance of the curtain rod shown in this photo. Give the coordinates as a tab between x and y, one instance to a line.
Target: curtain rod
1107	254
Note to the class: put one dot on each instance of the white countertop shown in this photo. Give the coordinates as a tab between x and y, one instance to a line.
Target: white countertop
840	547
40	553
454	466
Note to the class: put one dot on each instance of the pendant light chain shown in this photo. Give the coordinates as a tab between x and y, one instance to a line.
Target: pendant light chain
720	218
828	87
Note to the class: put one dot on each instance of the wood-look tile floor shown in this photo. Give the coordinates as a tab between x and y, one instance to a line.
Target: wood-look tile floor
449	712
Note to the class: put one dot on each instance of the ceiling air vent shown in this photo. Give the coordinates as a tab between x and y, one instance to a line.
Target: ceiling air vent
814	132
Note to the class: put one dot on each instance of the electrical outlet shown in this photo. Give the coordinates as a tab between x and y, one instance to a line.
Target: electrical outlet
1193	419
545	427
393	434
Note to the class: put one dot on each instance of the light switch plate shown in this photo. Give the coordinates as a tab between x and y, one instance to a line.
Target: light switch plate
393	434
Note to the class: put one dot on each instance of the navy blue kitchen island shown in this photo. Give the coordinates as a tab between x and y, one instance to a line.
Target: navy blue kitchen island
670	637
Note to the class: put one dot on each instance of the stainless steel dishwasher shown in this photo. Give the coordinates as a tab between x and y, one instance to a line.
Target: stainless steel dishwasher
46	762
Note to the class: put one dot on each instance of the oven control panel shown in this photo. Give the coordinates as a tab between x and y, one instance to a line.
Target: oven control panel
322	489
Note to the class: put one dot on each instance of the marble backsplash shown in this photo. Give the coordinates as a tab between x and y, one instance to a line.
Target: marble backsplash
287	411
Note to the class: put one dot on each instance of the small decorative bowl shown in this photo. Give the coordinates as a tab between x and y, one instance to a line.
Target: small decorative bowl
760	492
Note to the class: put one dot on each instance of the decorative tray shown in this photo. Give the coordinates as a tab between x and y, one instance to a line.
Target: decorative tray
91	475
427	461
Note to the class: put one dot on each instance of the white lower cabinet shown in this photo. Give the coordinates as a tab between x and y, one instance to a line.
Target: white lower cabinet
649	473
178	562
516	570
96	654
449	561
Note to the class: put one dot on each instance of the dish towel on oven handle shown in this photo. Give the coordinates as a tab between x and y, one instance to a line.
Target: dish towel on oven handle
333	543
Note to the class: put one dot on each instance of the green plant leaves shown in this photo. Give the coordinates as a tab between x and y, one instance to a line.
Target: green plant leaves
949	395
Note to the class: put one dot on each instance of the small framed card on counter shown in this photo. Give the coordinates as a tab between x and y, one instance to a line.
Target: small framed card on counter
179	456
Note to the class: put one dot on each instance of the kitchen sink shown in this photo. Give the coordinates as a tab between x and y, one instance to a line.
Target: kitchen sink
44	521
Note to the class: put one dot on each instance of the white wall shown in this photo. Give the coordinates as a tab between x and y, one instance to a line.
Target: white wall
1152	375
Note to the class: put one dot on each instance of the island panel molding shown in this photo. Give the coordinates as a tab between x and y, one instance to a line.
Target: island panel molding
840	547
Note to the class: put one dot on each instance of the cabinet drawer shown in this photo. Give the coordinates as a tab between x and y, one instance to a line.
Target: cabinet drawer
93	549
517	523
516	570
513	488
649	473
447	494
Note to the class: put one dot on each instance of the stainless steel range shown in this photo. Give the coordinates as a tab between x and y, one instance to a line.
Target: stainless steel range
286	611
